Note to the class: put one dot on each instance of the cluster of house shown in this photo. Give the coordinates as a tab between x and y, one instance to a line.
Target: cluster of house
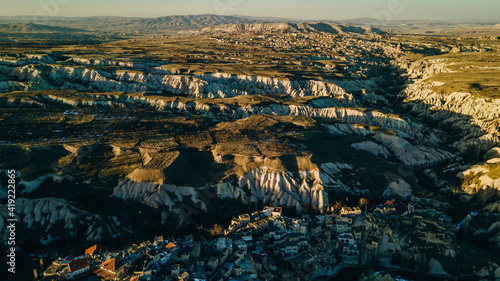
345	46
262	245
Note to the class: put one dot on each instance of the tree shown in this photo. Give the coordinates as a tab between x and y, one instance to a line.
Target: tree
363	202
216	230
305	208
199	228
337	206
466	225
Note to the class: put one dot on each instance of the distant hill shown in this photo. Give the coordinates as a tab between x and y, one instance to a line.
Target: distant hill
170	24
30	27
295	27
422	26
196	21
147	25
419	23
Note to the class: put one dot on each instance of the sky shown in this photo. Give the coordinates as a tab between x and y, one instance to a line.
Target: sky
475	10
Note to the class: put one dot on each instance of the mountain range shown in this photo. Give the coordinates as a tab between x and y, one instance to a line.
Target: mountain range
175	23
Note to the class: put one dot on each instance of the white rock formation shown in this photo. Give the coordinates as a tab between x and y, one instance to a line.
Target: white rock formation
32	186
477	117
267	185
210	85
483	182
399	188
44	214
412	155
329	177
372	148
436	268
156	195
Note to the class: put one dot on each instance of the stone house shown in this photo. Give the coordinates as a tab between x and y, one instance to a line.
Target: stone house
343	227
237	270
213	262
95	250
350	211
176	270
290	248
78	269
245	218
110	268
257	261
343	218
329	223
357	233
346	238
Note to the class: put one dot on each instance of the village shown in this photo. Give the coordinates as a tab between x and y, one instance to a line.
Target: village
267	245
332	52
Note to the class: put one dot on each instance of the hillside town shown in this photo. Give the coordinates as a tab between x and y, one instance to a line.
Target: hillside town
268	245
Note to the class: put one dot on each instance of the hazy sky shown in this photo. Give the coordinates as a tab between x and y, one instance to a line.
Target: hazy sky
487	10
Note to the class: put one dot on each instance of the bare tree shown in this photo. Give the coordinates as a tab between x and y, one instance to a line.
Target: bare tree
216	230
363	202
337	206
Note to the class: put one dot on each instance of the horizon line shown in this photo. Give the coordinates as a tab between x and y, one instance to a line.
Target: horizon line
264	17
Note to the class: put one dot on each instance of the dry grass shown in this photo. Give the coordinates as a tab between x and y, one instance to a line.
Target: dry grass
476	73
159	143
494	171
198	139
161	161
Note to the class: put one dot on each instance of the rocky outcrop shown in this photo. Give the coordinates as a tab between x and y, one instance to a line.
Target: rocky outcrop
412	155
31	186
104	62
258	27
27	59
306	27
400	188
435	268
481	177
264	185
329	175
398	146
493	153
333	108
270	186
476	117
493	208
210	85
49	215
156	195
373	148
